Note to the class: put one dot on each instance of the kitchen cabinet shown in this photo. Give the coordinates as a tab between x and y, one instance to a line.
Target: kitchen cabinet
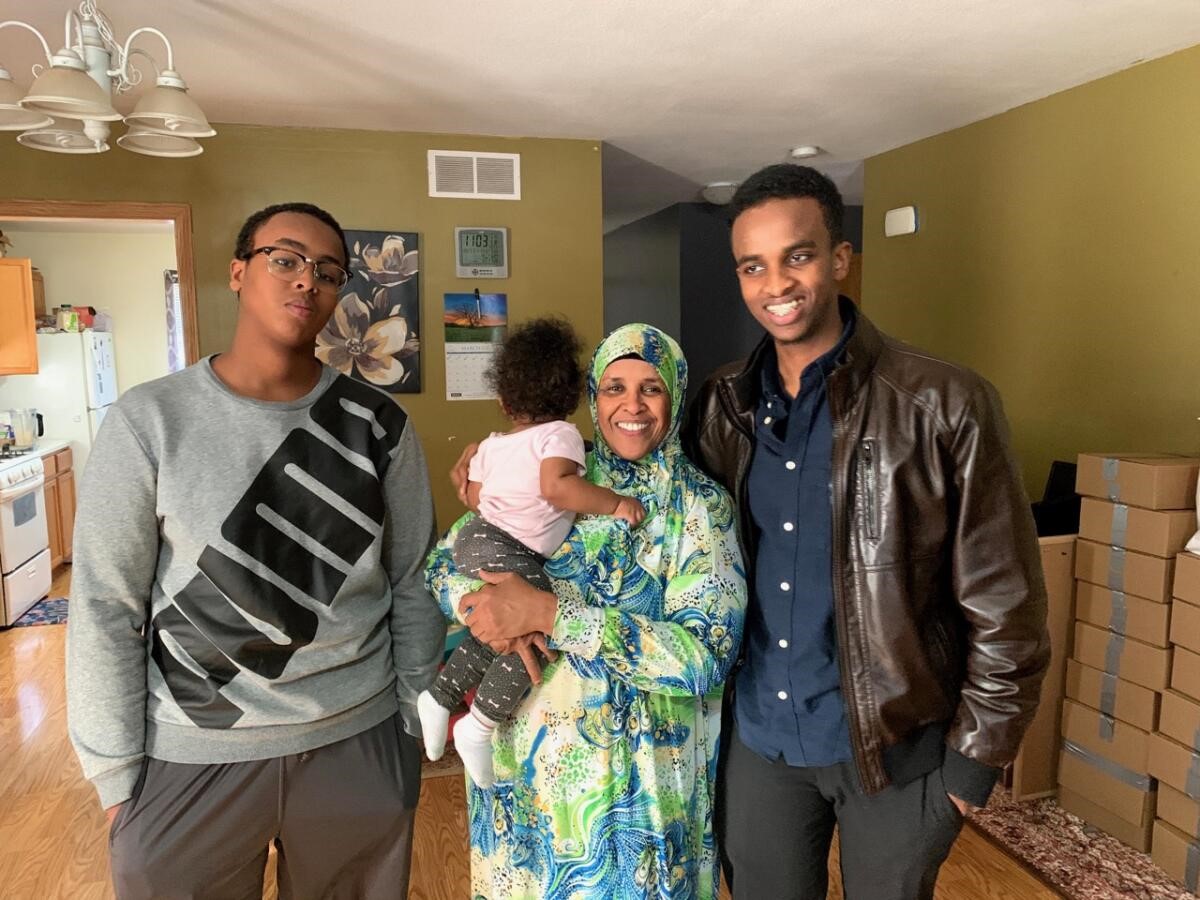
18	328
60	504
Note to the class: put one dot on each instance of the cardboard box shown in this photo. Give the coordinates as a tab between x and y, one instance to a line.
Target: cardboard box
1034	771
1125	794
1152	481
1178	809
1170	851
1130	702
1112	739
1171	763
1157	532
1185	625
1187	578
1179	719
1136	835
1185	672
1122	656
1135	617
1123	570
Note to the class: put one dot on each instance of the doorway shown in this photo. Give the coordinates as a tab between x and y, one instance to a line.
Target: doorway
139	217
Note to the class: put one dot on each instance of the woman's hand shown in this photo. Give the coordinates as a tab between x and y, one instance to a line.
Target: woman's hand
507	607
523	647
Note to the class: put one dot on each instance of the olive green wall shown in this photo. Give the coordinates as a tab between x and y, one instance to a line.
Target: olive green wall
1057	254
368	180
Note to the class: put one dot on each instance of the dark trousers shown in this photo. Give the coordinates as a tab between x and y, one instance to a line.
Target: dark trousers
776	825
340	817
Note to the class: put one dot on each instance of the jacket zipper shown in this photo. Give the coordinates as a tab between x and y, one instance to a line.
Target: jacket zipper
870	489
869	769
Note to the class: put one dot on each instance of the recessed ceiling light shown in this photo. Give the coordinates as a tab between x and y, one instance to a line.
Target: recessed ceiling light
805	151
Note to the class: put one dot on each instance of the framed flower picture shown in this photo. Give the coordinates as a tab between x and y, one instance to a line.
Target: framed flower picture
374	334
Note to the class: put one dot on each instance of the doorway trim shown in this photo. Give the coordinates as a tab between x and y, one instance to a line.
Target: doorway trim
180	216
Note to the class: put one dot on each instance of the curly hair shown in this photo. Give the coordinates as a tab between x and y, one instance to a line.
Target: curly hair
536	372
786	181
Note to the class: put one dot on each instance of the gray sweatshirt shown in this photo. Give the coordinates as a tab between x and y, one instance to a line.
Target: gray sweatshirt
248	576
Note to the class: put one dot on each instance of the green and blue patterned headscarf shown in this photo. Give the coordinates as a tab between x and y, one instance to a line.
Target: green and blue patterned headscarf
653	474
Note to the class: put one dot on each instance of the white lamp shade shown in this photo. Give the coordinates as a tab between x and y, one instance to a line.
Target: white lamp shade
156	143
63	136
169	109
69	94
12	116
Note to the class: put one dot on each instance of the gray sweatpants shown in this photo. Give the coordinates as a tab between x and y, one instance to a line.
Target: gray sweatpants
501	682
340	817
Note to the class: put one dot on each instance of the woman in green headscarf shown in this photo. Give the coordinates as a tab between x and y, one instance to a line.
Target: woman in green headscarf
605	776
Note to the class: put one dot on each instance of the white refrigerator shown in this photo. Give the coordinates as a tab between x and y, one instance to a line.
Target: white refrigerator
75	385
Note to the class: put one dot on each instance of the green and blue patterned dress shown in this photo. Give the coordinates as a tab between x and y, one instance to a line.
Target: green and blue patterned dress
605	776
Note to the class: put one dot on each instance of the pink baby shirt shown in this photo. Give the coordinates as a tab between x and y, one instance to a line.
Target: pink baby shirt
508	469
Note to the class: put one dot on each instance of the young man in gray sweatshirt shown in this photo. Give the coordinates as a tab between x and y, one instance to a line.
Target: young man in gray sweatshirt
249	626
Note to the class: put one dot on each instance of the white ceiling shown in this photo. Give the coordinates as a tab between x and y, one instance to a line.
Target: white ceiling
686	91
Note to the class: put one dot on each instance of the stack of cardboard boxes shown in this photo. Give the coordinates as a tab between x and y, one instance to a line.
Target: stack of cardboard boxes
1137	513
1175	749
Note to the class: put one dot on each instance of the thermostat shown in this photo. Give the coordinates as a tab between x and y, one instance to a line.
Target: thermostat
481	252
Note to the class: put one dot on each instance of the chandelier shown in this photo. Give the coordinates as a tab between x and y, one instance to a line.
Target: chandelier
69	106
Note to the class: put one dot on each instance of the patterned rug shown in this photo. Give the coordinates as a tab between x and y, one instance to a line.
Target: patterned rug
51	611
1075	858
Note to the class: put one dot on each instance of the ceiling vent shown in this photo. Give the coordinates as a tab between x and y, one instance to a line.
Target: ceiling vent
477	176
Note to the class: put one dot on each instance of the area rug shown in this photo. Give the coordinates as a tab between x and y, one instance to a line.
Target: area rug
1073	857
51	611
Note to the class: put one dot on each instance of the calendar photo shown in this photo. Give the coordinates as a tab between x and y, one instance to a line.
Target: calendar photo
475	325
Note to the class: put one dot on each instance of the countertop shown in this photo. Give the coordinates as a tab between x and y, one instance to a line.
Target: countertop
46	447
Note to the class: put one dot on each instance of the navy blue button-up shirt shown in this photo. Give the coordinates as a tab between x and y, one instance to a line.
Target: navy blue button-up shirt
789	698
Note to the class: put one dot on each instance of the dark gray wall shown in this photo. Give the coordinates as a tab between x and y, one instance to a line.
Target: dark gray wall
641	273
717	328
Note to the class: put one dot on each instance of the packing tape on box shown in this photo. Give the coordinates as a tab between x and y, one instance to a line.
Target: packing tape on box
1112	653
1191	875
1116	568
1192	784
1111	469
1108	693
1119	613
1120	524
1108	767
1108	728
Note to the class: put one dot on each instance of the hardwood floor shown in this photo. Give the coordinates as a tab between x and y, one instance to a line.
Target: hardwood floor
53	840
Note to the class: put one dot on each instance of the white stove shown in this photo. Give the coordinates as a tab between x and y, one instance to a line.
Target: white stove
24	539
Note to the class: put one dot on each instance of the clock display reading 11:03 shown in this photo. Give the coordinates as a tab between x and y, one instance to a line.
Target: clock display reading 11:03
481	252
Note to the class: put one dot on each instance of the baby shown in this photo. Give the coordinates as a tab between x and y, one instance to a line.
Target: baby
526	486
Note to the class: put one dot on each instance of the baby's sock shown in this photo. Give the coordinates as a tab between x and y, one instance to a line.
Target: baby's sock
435	722
473	741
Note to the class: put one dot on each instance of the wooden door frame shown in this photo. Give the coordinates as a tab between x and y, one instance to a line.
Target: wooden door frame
180	216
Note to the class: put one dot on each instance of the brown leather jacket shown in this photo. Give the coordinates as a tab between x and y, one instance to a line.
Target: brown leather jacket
938	592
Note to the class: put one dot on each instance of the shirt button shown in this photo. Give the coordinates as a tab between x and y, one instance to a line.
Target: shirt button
782	695
783	643
784	586
790	464
767	420
788	526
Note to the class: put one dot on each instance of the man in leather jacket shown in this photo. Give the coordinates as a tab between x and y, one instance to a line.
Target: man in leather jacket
896	641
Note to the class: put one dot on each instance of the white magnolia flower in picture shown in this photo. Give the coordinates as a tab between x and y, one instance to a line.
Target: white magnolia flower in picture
352	342
388	264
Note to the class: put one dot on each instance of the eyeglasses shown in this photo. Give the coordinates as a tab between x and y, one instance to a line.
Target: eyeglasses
287	264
